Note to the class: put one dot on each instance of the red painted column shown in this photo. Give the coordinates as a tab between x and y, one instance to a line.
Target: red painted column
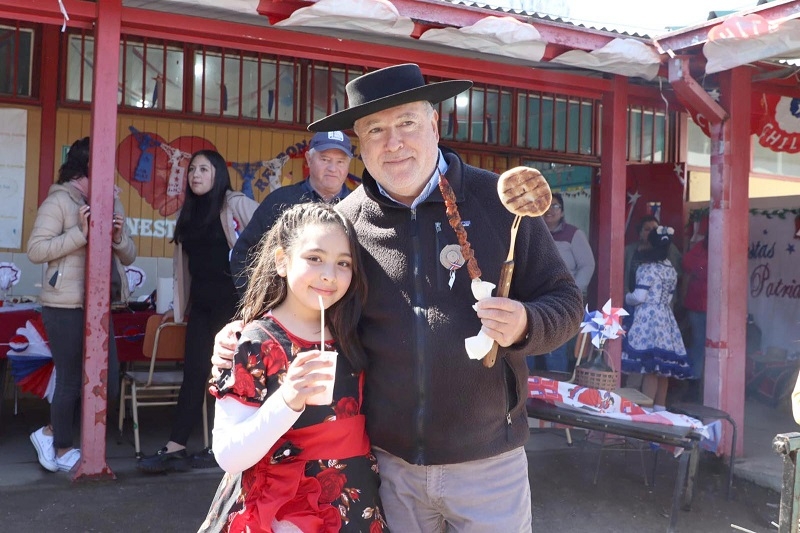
612	200
48	92
98	258
727	252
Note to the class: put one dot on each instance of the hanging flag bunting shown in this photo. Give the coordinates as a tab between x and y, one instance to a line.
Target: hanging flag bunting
144	166
248	172
452	124
272	171
270	101
158	97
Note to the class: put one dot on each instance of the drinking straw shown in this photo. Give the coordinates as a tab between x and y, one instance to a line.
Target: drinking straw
321	323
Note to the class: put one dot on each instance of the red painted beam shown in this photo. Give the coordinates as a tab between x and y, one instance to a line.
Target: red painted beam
612	201
727	253
690	92
98	267
444	14
679	41
323	48
81	13
48	93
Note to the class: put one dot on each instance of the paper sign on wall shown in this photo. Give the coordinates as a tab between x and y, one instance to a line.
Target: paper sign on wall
13	147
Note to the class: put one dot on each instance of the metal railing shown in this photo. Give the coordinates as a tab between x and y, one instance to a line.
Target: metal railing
787	445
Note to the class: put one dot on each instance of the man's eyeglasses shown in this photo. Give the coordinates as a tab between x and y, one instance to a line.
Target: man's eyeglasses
555	207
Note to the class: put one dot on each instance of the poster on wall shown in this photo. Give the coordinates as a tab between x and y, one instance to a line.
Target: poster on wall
774	288
13	147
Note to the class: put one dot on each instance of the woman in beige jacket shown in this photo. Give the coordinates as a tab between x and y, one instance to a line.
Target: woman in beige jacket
59	237
210	220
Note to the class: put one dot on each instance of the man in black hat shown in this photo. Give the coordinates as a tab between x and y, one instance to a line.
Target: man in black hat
448	432
328	158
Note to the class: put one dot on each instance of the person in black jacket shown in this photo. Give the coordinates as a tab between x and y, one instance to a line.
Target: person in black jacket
328	157
448	432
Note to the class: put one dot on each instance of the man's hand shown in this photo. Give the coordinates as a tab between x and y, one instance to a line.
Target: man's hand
503	319
225	346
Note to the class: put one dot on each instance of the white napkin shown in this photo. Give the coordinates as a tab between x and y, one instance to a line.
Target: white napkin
478	346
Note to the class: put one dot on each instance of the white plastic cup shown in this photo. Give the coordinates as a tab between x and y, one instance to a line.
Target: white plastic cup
326	396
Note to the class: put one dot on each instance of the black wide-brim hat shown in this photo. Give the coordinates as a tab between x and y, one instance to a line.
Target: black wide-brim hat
386	88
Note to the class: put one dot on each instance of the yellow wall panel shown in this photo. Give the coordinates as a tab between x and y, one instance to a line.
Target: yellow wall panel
152	228
237	144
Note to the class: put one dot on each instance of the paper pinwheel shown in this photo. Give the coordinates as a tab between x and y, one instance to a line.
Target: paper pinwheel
603	325
9	275
136	277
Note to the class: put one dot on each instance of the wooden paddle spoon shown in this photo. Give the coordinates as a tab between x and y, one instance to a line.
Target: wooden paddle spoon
525	193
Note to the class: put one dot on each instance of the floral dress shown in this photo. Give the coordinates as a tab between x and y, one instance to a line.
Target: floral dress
341	493
653	344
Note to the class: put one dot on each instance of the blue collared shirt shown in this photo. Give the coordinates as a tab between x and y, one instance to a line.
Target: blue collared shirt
307	188
441	168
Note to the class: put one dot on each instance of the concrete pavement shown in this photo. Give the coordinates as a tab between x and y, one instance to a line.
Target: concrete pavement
564	497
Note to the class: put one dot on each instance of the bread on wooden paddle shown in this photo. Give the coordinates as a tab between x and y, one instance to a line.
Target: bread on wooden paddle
524	191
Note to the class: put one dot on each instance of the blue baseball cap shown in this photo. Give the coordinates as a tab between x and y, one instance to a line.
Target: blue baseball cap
328	140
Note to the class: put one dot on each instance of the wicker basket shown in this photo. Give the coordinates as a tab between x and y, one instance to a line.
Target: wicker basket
596	374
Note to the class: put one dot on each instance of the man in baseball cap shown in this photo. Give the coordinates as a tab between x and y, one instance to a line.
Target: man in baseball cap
328	158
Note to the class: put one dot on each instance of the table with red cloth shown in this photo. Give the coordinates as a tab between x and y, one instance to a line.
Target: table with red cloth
129	327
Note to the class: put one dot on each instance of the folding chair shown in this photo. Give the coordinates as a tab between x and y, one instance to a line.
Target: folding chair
160	383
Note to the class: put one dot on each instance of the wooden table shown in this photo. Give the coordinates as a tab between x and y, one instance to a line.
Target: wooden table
684	437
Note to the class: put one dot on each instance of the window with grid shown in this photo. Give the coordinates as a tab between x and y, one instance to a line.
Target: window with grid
150	75
325	88
16	60
481	115
251	86
556	123
647	134
80	68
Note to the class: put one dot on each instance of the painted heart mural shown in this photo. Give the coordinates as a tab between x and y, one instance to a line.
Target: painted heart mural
156	168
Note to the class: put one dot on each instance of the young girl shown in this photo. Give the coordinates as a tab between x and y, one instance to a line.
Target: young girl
653	346
305	467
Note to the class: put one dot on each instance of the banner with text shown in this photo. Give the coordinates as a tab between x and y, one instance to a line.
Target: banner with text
774	269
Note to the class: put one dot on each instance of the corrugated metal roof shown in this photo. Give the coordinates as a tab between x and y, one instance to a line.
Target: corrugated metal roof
629	31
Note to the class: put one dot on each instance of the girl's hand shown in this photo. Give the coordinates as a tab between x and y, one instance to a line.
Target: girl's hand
301	380
225	347
83	220
116	228
169	316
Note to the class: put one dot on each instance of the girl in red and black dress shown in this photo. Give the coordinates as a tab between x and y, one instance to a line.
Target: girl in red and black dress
305	467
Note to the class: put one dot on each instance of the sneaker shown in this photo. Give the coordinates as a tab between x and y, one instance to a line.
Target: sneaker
44	449
68	461
204	459
165	461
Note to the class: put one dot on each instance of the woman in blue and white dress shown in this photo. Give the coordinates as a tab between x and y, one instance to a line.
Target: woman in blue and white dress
653	346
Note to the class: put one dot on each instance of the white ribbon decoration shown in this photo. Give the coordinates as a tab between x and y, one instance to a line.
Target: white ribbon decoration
479	345
66	17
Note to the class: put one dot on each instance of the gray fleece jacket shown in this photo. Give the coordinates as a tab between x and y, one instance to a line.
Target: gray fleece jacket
426	401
